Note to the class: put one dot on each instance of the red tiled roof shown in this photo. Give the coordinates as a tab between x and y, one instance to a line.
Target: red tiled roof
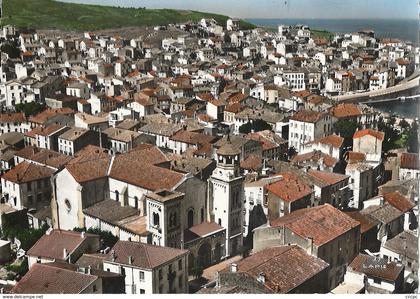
361	133
356	157
399	201
322	223
345	110
330	178
48	279
143	255
369	265
290	188
334	140
192	137
52	246
42	117
252	163
12	117
27	172
284	267
308	116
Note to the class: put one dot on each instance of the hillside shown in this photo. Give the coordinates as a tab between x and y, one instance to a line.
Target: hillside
49	14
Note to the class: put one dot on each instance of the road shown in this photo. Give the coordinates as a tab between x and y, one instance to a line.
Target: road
381	92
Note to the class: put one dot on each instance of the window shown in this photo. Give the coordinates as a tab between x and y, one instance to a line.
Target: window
170	268
122	270
180	265
142	291
29	186
160	274
30	199
94	288
141	275
117	195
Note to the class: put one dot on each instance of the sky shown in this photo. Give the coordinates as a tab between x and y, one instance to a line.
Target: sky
289	9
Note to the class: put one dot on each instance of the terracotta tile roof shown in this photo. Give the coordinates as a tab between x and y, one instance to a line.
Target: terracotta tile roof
385	214
201	230
322	223
266	143
217	103
12	117
334	140
355	157
52	245
89	167
234	108
205	96
51	129
377	134
139	168
308	116
403	61
192	137
27	172
302	94
410	161
328	160
42	117
329	178
43	156
49	279
399	201
143	255
290	188
236	98
371	266
345	110
405	243
284	267
252	163
366	223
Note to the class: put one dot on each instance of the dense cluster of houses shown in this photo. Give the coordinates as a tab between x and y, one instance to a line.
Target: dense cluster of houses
198	142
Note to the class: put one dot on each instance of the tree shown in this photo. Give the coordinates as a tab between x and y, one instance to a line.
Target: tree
27	237
346	129
291	152
256	126
29	109
404	124
10	49
412	141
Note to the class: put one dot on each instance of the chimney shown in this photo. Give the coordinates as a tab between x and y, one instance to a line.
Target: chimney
261	277
65	253
233	267
113	255
82	234
130	260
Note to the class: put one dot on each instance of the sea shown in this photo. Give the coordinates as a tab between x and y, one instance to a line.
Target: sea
404	29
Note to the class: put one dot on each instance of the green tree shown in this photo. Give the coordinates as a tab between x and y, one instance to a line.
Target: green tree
10	49
256	125
391	134
346	129
29	109
27	237
412	141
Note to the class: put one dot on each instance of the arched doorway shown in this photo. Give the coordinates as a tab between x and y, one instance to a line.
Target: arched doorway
190	218
204	255
217	252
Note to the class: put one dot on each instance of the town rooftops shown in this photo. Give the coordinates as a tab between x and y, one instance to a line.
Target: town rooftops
164	196
399	201
43	156
319	156
308	116
165	129
345	110
139	167
192	137
228	149
333	140
366	223
17	117
353	157
384	214
361	133
121	134
91	119
322	223
27	172
50	279
52	245
290	188
328	178
372	267
73	134
142	255
47	131
284	267
42	117
404	243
